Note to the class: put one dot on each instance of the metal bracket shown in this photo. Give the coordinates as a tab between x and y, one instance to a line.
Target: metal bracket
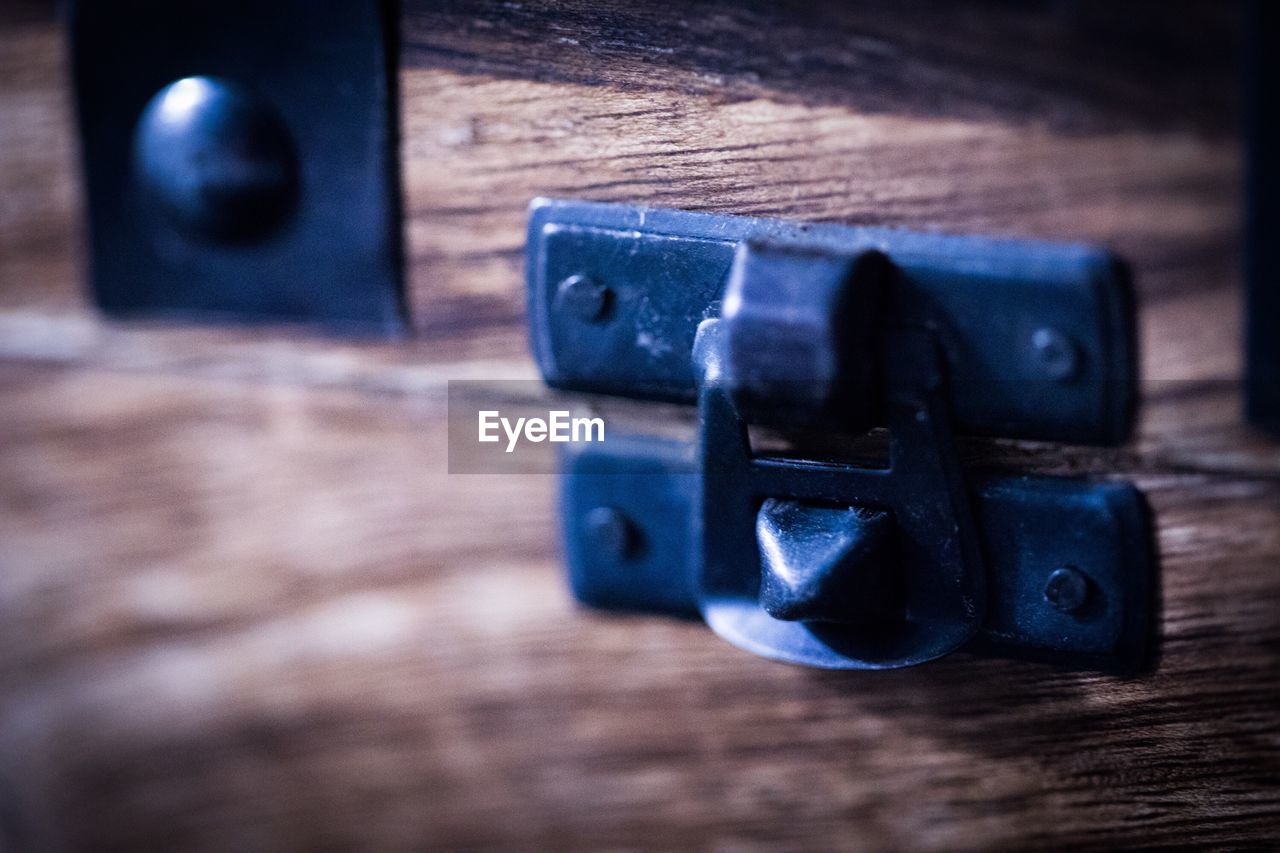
1262	297
240	160
830	564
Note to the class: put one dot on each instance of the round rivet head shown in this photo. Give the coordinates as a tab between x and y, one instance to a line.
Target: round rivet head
1067	589
584	298
1056	354
611	533
215	161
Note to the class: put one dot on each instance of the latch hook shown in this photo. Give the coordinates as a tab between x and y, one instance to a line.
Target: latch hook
821	563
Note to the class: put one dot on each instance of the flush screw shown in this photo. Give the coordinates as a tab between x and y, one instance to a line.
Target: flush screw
1067	589
1056	353
611	533
584	297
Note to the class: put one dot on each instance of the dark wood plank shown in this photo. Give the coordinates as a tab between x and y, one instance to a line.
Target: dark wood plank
254	616
39	177
955	121
1086	64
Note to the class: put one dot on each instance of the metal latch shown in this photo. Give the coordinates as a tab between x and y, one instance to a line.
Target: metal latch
834	329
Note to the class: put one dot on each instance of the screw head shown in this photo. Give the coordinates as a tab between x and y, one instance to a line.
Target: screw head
214	160
584	297
1055	353
611	533
1067	589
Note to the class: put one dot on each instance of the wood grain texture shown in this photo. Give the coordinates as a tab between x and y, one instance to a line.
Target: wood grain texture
1074	65
244	606
251	616
1018	120
39	201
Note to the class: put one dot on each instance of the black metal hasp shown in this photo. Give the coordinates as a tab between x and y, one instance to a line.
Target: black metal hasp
240	160
845	329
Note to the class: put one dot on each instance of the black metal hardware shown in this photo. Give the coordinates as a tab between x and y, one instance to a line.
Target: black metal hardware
1052	361
1263	303
240	159
830	564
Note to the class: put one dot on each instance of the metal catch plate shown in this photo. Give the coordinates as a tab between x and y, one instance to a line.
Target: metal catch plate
1030	527
1037	336
265	190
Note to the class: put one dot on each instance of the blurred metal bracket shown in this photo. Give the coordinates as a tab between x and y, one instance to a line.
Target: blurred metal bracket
240	160
1262	319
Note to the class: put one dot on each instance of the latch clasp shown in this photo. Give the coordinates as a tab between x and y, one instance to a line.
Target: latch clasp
820	562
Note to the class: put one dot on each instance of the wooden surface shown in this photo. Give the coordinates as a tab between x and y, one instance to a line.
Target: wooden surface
243	605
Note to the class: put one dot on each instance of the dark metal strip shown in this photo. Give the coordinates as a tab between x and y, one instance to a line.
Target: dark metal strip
1037	337
1263	302
1030	527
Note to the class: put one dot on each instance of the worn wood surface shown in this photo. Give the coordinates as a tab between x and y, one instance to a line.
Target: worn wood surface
981	118
247	615
243	605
